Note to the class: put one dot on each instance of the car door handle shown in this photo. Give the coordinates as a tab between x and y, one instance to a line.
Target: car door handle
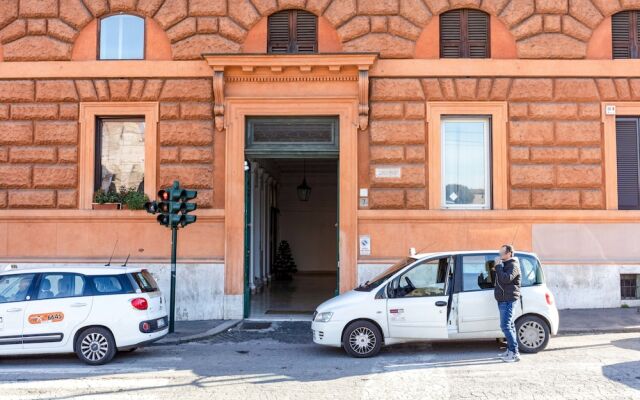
14	309
441	303
78	304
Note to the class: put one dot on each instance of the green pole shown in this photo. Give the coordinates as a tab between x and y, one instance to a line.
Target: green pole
172	300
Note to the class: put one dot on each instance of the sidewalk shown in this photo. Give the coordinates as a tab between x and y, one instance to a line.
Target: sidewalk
599	320
572	322
190	331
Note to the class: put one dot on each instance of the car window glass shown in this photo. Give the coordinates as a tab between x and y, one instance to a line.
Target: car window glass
107	284
476	272
15	287
145	281
425	279
528	270
59	285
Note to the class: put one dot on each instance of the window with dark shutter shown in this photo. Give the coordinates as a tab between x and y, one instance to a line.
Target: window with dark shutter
464	33
627	161
292	31
624	33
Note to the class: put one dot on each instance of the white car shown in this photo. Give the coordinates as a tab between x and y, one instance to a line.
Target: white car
436	296
92	311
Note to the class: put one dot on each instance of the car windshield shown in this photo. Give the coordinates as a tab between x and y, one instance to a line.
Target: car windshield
381	278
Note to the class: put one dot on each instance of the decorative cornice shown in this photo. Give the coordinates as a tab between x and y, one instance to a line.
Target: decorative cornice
259	68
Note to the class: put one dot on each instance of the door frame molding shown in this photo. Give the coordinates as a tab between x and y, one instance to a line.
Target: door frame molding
237	109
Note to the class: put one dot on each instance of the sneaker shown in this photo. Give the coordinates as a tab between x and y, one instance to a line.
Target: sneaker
511	357
503	354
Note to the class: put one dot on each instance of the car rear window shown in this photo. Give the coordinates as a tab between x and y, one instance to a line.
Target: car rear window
145	281
110	284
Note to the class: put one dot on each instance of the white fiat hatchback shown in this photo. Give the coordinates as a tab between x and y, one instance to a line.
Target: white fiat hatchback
92	311
432	297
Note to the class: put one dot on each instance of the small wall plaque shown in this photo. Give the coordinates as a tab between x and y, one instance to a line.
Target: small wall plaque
388	172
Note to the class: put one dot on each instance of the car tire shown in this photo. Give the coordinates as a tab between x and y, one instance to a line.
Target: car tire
533	334
362	339
95	346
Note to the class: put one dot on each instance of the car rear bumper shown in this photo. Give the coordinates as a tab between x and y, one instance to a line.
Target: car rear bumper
146	340
327	333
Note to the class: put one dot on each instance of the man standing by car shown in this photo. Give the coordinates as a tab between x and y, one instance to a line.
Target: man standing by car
507	293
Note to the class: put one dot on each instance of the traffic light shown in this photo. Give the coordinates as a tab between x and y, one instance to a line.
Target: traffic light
173	206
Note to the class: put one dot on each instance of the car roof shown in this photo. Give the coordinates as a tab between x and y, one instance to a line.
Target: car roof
82	269
420	256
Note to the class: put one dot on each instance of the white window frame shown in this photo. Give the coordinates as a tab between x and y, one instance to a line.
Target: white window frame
487	162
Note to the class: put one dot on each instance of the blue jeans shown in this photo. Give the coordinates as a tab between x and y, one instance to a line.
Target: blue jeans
507	325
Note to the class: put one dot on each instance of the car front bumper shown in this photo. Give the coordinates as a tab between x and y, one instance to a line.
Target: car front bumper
327	333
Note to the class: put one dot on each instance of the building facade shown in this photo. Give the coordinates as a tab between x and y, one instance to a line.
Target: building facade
451	125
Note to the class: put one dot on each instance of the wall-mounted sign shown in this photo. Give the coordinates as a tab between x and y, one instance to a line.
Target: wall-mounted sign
610	109
365	245
388	172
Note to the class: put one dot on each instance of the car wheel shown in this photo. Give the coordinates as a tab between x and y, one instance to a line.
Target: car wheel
533	334
362	339
95	346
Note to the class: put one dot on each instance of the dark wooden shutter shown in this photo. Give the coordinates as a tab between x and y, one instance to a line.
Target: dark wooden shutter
292	31
624	33
464	33
627	160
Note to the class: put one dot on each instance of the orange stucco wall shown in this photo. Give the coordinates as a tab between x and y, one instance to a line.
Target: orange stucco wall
600	45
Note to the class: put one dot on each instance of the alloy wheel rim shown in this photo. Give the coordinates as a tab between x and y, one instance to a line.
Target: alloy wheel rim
362	340
531	334
94	346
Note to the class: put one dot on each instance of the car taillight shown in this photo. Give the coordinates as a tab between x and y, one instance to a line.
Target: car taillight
140	303
146	327
549	297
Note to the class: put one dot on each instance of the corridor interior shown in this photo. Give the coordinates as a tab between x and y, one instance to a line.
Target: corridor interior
293	242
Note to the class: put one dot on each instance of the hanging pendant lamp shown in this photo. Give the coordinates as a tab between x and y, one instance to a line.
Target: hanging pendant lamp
304	190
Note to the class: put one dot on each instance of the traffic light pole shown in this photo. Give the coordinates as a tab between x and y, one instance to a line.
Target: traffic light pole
172	300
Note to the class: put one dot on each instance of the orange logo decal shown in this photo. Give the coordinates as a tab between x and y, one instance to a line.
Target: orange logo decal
46	318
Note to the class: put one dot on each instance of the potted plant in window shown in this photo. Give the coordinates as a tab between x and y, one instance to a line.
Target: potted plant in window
132	199
106	200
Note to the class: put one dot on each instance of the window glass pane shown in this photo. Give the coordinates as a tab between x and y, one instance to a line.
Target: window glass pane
122	154
465	162
122	38
60	285
107	284
530	271
476	272
15	287
145	281
426	279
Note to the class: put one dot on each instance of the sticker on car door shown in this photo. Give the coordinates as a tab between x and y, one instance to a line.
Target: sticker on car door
46	318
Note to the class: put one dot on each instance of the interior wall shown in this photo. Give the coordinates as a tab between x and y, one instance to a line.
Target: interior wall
309	227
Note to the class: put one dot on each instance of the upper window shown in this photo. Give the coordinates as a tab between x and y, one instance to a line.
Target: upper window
292	31
627	131
122	38
120	154
464	33
624	33
466	165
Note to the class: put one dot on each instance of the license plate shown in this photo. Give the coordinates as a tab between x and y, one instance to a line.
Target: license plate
160	322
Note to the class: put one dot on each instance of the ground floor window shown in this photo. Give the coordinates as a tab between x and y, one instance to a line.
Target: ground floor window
120	154
466	162
629	285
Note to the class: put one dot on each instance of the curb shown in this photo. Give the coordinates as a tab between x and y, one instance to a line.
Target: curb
199	336
596	331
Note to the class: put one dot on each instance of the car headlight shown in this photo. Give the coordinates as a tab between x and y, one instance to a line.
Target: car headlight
323	317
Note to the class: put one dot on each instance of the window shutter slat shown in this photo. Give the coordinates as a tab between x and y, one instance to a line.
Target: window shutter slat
451	34
627	163
621	34
292	31
478	34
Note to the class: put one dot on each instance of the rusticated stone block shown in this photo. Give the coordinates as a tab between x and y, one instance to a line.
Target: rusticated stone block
531	89
69	111
207	7
207	25
38	8
579	176
32	198
243	12
171	12
37	48
520	198
196	110
119	89
551	45
190	176
530	26
552	6
32	154
67	154
67	198
526	132
149	7
397	132
387	45
169	111
123	5
585	12
97	7
36	26
432	89
590	154
378	7
519	153
196	154
169	154
416	198
549	111
402	27
16	91
13	176
532	175
186	89
414	153
556	199
385	110
592	199
74	13
414	110
195	133
573	28
231	30
268	7
500	89
411	175
518	110
86	90
415	11
396	89
386	198
340	11
102	89
182	29
56	132
8	11
34	111
516	11
466	88
576	90
356	27
12	132
61	31
554	154
552	23
386	154
152	89
192	48
55	176
56	90
578	132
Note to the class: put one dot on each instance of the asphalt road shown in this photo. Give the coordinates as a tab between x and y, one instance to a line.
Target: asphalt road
283	363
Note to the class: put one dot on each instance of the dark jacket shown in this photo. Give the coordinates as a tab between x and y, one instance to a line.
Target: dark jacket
507	278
